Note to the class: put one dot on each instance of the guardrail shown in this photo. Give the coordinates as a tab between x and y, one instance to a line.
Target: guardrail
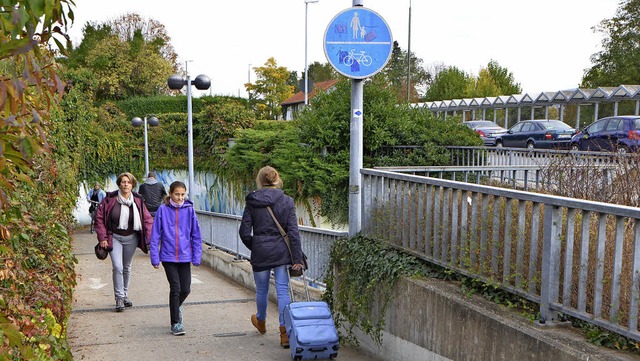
221	231
570	256
517	167
504	175
522	167
492	156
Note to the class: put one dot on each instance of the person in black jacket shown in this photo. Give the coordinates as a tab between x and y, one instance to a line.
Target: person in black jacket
152	192
269	251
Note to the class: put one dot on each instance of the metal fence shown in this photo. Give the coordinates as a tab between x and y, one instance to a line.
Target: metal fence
571	256
523	176
491	156
515	167
530	168
221	231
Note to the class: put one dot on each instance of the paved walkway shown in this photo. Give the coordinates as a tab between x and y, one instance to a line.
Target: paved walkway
216	316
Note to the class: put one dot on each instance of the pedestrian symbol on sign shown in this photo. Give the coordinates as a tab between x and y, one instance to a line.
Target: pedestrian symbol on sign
363	51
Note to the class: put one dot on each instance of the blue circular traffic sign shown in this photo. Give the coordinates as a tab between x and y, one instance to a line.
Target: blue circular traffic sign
358	43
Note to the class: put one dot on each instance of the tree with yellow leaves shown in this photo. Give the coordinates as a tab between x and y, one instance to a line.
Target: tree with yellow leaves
271	86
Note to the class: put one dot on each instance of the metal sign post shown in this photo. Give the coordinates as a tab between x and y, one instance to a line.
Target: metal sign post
355	158
358	44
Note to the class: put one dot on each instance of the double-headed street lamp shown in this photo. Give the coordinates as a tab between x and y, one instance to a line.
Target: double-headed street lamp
202	82
152	121
249	82
306	67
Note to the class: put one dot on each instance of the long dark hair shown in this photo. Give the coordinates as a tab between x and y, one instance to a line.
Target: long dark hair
172	187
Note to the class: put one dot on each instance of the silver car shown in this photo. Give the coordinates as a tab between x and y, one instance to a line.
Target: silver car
487	130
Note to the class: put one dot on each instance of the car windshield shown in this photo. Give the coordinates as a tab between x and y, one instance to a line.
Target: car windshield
555	125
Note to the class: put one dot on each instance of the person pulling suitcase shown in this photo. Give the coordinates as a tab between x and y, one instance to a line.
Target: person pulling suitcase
269	252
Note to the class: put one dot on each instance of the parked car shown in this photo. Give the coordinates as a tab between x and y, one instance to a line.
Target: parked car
537	133
486	129
611	134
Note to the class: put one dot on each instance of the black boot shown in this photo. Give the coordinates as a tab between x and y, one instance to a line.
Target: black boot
119	304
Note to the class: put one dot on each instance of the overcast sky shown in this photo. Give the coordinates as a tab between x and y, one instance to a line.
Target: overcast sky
546	44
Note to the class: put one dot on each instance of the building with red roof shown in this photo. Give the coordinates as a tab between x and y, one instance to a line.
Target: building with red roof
295	103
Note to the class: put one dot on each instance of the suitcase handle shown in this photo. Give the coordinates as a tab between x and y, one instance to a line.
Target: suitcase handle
306	287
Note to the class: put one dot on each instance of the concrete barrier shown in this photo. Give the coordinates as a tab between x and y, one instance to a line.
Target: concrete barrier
432	320
240	271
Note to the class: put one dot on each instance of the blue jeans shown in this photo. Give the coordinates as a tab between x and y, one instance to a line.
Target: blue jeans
262	291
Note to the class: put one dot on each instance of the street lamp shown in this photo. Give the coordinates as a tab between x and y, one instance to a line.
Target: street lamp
202	82
306	67
152	121
249	82
409	59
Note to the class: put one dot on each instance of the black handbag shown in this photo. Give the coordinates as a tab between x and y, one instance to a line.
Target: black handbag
285	236
101	253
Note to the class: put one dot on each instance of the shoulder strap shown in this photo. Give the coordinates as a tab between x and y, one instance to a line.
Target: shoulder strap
282	232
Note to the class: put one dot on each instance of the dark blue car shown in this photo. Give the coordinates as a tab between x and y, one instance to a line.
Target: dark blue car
611	134
537	133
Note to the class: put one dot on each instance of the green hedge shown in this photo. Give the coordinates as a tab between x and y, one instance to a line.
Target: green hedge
164	104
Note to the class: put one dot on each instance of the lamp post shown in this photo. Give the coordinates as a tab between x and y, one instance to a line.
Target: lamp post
152	121
409	59
306	67
202	82
249	81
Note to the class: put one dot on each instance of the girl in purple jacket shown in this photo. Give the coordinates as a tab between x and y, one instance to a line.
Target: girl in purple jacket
176	242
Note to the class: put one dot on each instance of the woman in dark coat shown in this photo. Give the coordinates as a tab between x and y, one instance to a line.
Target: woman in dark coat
269	251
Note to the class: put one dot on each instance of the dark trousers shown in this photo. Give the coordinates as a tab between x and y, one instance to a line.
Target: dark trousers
179	277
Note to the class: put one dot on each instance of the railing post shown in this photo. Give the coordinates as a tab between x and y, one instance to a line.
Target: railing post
237	257
550	280
367	200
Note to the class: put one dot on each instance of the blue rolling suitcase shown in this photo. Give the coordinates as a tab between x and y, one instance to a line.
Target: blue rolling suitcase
312	333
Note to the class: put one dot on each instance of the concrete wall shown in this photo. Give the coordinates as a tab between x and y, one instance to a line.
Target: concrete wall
240	271
431	320
434	315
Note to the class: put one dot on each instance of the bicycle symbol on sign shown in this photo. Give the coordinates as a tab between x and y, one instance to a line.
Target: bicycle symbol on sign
359	58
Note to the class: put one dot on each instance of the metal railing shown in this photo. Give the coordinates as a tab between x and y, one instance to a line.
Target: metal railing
571	256
491	156
524	167
523	176
221	231
516	167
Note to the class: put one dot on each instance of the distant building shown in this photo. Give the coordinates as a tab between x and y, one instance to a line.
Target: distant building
295	103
